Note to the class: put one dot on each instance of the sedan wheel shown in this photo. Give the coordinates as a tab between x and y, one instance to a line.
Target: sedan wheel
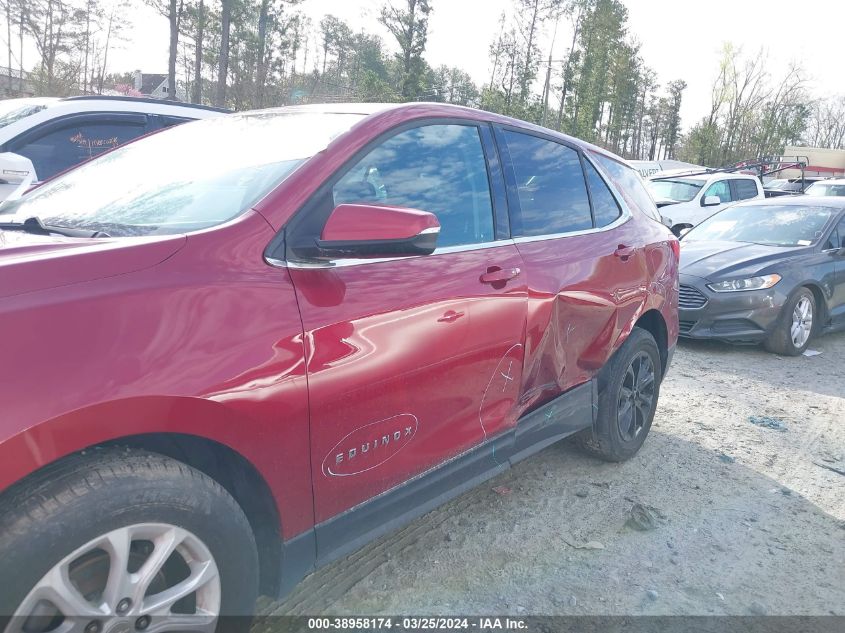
795	327
802	322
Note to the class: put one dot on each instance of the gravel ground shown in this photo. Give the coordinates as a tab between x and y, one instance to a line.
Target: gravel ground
743	518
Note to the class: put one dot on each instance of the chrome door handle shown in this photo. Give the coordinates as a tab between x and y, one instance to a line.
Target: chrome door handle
499	275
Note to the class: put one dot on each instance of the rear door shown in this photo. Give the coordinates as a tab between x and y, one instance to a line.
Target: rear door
745	189
411	360
584	261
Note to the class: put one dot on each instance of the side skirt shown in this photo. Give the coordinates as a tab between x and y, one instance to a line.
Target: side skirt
341	535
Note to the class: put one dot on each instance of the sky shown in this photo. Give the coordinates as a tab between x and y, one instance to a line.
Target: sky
680	39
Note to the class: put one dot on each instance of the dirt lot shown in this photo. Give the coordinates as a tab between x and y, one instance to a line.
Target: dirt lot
745	519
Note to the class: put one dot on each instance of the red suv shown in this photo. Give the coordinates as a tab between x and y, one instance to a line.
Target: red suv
241	348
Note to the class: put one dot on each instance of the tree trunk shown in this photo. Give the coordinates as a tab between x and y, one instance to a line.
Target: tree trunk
223	66
174	49
197	96
261	74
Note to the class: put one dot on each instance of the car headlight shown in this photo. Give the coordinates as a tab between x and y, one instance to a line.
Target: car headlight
751	283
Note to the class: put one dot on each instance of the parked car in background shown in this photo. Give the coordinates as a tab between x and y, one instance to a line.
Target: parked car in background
830	187
40	137
768	271
788	187
686	198
300	328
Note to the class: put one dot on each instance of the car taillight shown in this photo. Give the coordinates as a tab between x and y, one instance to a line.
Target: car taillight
676	248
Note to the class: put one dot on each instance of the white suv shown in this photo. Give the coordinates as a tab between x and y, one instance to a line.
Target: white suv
686	198
41	137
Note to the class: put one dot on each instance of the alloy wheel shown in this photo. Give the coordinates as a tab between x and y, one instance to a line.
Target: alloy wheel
146	577
802	322
636	397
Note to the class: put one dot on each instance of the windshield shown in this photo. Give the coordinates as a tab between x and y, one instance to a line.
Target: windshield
825	189
12	110
773	225
677	189
189	177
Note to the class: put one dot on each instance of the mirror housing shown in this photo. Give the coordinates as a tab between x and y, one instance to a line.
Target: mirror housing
711	201
15	169
17	175
366	230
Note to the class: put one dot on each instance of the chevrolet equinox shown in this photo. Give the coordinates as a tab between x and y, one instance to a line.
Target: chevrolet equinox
243	347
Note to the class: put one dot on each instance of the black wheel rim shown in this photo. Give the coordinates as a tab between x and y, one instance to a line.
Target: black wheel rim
636	397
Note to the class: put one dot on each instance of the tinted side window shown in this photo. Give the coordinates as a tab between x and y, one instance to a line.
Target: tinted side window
721	189
629	185
435	168
745	189
67	146
550	183
605	207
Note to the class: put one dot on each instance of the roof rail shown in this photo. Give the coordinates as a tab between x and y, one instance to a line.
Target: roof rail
146	100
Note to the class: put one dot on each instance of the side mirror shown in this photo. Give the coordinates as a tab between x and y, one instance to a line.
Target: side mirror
666	221
17	175
364	230
711	201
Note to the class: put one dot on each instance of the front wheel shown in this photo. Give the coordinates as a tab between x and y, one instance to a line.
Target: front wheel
123	541
794	327
628	391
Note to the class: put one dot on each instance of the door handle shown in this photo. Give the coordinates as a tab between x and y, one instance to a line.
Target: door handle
624	252
495	275
450	316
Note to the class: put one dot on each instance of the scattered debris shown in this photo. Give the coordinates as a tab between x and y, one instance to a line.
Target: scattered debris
581	492
838	471
726	458
573	601
720	596
644	518
652	594
811	352
588	545
502	490
768	422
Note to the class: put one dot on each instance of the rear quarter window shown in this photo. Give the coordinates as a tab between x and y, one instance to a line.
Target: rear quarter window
629	184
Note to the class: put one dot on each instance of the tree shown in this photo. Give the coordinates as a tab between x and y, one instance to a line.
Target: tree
223	63
410	28
172	10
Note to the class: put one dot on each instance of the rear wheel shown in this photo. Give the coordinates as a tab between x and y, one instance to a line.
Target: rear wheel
123	541
795	325
629	387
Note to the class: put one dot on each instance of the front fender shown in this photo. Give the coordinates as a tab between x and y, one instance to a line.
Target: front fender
33	448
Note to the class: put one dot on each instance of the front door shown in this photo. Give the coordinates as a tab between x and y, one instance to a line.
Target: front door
410	360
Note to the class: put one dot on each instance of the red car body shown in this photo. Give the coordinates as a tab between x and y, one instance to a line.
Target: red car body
326	390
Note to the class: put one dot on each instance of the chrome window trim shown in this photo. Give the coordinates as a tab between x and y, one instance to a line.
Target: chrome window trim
622	219
343	263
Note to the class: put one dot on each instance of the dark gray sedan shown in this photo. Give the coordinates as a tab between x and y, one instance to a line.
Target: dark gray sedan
767	271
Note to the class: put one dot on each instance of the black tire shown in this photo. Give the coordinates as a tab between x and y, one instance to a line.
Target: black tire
605	439
780	340
82	497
